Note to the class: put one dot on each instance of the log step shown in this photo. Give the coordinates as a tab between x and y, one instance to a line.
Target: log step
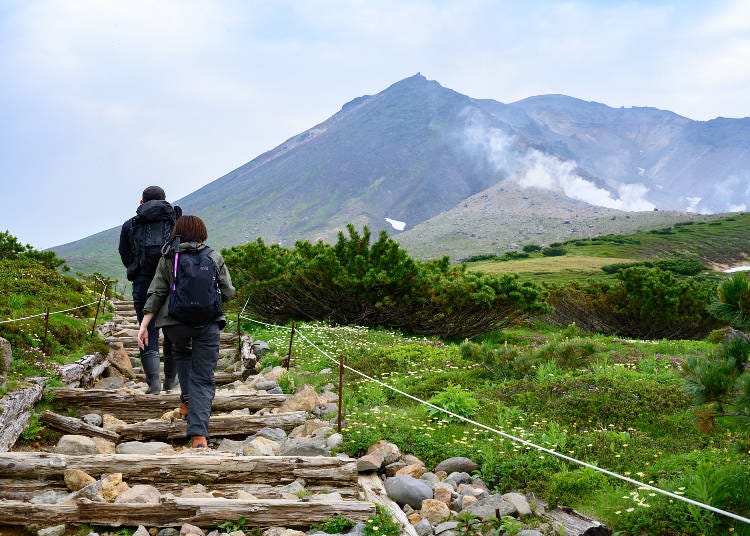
218	426
205	468
195	511
137	407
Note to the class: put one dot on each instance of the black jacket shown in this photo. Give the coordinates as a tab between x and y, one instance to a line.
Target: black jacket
149	212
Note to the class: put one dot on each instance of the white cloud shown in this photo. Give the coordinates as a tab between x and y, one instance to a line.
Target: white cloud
531	168
738	208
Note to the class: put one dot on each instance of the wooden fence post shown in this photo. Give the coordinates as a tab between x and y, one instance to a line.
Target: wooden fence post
98	305
288	361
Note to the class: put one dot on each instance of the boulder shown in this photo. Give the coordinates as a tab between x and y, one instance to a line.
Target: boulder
57	530
94	419
415	470
435	511
305	446
423	528
306	399
519	501
120	360
408	490
458	478
370	462
457	465
274	434
391	453
76	479
141	494
144	448
487	506
6	354
76	445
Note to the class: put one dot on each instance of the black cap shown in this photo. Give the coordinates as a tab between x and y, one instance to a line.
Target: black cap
153	192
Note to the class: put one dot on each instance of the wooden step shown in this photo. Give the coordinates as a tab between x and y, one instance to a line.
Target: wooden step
131	407
205	468
195	511
218	426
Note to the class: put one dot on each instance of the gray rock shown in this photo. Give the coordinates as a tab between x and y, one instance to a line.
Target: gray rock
408	490
275	391
169	531
519	501
325	371
49	497
447	528
478	482
229	445
112	383
487	506
423	528
141	531
456	465
430	477
57	530
305	446
357	530
190	530
458	478
216	533
76	445
141	494
293	487
330	408
274	434
150	448
94	419
266	385
334	441
260	348
530	532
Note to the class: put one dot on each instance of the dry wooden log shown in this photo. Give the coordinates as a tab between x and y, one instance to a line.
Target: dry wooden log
76	426
12	489
82	371
200	512
220	378
14	411
204	468
574	523
218	426
24	490
373	491
131	407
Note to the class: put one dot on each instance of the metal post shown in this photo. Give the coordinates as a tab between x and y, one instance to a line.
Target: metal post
46	329
341	388
98	305
288	361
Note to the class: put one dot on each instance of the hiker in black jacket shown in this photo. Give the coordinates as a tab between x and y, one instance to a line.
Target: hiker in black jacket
141	240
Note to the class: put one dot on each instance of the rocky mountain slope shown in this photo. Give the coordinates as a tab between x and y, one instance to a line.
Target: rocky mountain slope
405	157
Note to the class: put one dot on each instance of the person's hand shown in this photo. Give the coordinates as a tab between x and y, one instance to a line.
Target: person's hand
143	331
143	337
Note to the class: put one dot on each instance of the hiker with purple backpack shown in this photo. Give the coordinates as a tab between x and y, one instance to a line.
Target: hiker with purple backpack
185	300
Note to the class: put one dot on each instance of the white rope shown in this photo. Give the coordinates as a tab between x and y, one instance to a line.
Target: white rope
244	306
266	324
641	485
51	313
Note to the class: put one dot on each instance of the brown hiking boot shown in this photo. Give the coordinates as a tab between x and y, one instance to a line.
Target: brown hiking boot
184	407
199	442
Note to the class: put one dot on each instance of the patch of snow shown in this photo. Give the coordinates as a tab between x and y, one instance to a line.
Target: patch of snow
743	268
398	225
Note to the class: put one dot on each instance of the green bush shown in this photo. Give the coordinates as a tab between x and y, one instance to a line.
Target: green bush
355	282
554	251
455	400
531	248
569	487
646	303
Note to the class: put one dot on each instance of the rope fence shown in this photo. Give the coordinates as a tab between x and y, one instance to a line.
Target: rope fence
50	313
640	485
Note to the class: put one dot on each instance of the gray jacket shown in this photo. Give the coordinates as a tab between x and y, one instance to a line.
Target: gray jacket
158	292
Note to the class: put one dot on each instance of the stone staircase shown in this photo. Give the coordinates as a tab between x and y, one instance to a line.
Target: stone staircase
125	462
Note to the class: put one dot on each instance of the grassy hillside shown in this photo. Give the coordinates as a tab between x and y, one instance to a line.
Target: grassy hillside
717	244
614	403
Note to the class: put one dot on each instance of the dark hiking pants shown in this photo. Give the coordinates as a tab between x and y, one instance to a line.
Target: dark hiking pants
196	349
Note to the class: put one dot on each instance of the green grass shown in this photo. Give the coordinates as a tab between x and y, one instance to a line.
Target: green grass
716	244
608	401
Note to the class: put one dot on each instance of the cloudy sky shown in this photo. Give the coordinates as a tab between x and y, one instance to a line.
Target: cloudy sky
99	99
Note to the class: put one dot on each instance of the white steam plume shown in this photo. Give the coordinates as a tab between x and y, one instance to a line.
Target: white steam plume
533	168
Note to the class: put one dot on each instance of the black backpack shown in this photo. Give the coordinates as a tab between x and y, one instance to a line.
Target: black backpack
195	295
146	242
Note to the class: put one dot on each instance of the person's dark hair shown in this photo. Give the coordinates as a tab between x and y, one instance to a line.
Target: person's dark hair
153	192
190	229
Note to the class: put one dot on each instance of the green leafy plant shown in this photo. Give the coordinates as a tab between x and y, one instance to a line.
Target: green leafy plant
286	382
338	524
454	399
233	526
381	524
